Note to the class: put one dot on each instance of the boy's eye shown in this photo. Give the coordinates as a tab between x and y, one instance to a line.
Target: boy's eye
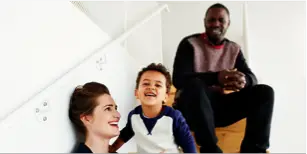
146	84
158	85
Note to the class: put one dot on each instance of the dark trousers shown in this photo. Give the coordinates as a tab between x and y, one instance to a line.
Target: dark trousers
204	110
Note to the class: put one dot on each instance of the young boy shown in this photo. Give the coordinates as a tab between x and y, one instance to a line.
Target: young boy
157	128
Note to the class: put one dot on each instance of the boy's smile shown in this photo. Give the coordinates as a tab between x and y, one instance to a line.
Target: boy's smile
150	94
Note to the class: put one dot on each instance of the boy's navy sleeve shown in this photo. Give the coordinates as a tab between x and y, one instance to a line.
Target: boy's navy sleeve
127	132
182	134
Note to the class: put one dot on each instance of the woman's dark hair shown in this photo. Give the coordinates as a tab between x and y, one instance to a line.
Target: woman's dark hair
83	102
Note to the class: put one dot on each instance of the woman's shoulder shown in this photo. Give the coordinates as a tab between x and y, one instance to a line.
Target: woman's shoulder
82	148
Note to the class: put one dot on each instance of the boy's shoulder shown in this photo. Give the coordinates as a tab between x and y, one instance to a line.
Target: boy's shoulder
171	112
136	110
167	111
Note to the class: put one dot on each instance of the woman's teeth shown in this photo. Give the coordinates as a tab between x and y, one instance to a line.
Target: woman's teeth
113	123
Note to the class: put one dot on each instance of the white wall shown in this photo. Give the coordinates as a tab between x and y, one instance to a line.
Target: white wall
145	45
277	37
276	53
186	18
40	41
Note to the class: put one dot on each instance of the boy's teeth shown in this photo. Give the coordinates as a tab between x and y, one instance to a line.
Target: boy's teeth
150	95
114	123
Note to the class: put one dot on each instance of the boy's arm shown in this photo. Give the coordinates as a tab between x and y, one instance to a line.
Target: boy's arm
116	145
183	136
125	135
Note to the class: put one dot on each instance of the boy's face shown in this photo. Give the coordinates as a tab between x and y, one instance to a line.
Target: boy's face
152	88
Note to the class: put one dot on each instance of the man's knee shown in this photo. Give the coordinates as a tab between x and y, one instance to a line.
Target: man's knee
193	84
189	88
192	92
192	89
263	93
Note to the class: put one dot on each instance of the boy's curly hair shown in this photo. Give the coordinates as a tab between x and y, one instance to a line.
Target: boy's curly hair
159	68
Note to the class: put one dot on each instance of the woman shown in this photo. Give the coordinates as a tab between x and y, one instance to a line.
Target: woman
94	113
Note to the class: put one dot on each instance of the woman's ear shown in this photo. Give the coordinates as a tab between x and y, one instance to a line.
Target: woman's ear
86	119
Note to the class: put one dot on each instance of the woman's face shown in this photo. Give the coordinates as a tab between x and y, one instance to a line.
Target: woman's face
104	119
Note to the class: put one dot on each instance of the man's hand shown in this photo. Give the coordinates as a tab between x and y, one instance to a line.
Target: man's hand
232	79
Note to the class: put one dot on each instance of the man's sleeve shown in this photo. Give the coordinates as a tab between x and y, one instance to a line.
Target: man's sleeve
127	132
182	134
183	68
242	66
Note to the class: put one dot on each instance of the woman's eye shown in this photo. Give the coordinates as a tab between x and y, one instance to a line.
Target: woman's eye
108	109
158	85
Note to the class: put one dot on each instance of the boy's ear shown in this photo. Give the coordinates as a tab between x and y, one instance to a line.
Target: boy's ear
136	93
166	97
